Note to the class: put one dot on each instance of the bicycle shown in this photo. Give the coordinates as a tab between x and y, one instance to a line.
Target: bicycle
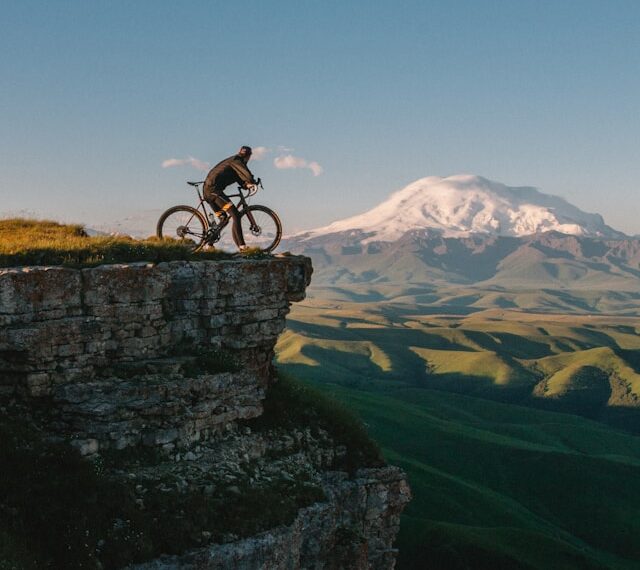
261	226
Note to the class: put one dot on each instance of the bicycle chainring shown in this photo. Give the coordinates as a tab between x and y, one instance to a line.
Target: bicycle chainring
213	235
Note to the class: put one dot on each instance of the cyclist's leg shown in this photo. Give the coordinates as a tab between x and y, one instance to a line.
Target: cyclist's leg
216	204
223	203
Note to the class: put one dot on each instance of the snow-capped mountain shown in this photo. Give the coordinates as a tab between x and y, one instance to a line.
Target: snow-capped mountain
458	206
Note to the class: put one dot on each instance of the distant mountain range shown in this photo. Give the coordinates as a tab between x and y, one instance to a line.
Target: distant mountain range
470	291
472	231
462	205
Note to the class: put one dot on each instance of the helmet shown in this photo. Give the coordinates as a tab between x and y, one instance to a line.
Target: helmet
245	151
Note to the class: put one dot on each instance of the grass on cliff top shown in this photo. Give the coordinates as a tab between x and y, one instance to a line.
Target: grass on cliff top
43	242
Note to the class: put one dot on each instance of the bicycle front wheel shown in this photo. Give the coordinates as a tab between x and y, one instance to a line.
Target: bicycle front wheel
185	224
261	228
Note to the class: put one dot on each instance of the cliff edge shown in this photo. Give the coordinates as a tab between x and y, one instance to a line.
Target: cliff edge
157	374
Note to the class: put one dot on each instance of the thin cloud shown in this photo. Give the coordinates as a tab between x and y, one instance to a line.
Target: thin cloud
260	152
315	168
196	163
288	162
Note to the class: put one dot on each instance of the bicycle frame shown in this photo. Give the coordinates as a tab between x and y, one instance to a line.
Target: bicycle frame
242	205
199	225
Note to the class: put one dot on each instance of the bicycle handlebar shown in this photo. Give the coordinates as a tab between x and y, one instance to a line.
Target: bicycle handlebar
250	191
253	188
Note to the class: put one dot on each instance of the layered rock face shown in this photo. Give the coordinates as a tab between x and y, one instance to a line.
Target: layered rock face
353	529
110	349
173	358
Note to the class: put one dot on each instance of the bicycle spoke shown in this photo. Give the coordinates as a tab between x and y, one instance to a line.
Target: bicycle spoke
183	223
260	228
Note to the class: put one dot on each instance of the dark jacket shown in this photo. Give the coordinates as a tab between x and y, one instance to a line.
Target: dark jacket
225	173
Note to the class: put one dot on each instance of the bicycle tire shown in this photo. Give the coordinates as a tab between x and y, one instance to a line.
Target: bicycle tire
267	233
183	223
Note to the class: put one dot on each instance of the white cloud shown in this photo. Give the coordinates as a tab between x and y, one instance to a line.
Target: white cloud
288	161
197	164
260	152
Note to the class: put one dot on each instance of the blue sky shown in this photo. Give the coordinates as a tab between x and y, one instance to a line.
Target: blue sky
95	95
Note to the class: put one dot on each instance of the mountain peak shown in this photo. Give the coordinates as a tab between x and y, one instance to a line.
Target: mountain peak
466	204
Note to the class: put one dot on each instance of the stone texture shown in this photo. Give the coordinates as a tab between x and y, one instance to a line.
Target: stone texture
107	358
155	409
65	332
353	530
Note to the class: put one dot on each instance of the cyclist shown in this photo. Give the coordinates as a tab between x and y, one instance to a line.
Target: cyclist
229	171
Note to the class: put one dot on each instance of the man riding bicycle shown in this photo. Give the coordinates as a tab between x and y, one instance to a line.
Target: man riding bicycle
229	171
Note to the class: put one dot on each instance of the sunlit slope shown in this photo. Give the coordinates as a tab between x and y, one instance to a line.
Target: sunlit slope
501	486
466	402
599	371
587	365
297	349
481	365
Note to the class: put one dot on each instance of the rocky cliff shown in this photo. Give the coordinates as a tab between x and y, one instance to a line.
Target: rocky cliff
175	358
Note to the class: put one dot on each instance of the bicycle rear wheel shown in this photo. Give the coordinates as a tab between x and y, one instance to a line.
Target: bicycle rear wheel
261	228
185	224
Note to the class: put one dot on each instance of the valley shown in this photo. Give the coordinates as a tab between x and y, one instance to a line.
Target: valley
514	414
587	364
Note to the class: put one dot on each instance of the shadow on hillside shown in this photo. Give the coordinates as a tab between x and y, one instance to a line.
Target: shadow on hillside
359	373
370	296
386	357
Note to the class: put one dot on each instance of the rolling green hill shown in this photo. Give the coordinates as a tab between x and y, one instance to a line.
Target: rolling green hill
501	486
462	388
503	373
584	364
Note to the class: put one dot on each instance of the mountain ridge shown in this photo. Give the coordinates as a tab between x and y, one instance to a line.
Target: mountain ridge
397	243
549	260
466	204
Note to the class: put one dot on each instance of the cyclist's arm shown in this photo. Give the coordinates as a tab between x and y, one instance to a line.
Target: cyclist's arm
243	173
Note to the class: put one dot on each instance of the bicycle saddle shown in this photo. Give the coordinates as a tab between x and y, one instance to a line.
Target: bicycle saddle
195	183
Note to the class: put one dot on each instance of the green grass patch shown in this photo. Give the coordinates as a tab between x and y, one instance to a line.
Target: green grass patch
254	253
43	242
503	486
495	485
191	361
293	404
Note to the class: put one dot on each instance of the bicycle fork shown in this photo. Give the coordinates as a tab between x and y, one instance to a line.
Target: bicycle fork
254	227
